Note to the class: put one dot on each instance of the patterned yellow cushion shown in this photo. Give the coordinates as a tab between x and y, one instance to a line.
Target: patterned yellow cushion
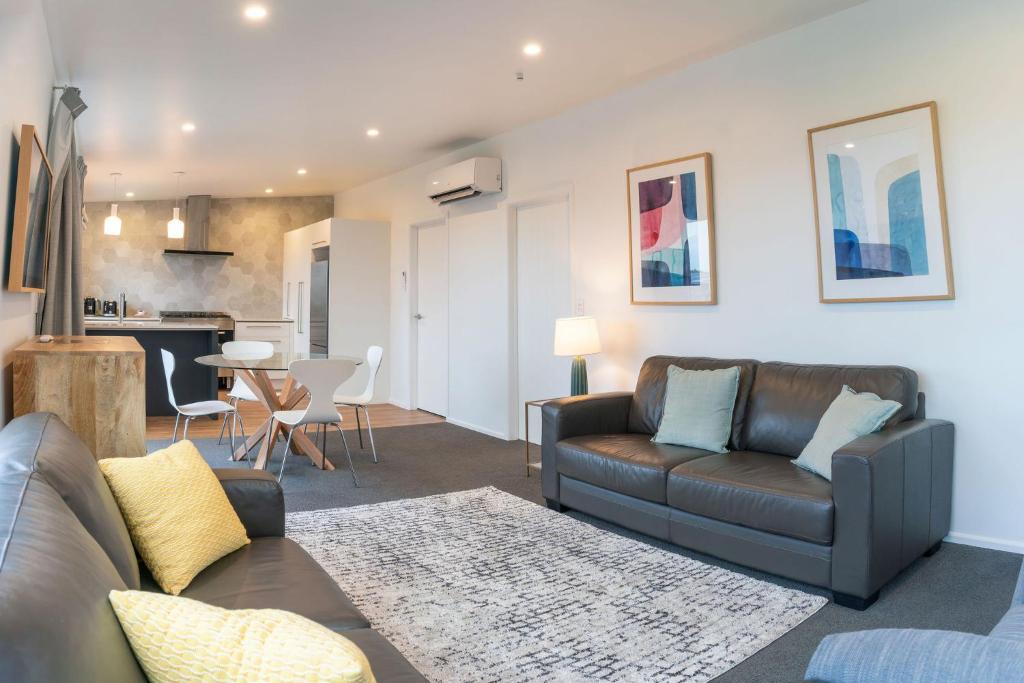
177	639
177	513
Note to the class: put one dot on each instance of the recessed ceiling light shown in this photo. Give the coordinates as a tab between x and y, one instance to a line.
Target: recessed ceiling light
255	12
849	145
269	190
188	127
372	132
532	49
129	194
301	171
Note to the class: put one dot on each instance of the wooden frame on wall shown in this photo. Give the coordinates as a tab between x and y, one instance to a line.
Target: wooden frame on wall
881	250
671	226
29	233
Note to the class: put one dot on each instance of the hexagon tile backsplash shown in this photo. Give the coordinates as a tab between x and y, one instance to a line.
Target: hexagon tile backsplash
246	285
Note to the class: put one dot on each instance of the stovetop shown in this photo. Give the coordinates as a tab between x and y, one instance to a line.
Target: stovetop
223	321
193	314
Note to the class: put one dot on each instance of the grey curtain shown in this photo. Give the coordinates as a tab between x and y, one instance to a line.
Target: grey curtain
61	309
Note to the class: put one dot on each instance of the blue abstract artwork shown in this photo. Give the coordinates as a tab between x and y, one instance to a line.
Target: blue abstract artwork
892	242
880	208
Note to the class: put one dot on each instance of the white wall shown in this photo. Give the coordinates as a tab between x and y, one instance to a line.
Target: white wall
26	79
751	109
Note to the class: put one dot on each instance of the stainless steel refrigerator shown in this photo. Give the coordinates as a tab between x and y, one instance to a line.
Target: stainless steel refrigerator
319	299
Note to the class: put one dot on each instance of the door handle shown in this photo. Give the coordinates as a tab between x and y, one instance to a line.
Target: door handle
418	316
298	313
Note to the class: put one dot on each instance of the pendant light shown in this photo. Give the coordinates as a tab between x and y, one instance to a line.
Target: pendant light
175	226
112	224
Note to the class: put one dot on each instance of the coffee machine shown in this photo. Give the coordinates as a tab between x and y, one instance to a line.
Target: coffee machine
90	305
110	309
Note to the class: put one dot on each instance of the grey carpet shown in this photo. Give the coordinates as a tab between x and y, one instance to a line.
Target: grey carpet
961	588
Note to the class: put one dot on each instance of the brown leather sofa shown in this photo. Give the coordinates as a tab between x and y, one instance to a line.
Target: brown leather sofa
888	502
64	547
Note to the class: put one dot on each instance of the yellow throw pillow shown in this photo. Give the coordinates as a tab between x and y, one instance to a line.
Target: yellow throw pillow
177	513
177	639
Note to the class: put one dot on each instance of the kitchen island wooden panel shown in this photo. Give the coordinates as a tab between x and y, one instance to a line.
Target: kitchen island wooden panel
95	384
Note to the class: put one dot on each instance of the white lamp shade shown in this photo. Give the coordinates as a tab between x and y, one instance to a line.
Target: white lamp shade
576	336
112	224
175	227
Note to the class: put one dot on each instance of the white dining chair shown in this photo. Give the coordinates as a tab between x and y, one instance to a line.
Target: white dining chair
374	356
321	377
240	391
198	409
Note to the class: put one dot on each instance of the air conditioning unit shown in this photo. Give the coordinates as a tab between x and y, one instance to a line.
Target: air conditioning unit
469	178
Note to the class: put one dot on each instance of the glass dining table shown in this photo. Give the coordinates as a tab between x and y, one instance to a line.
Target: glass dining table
254	372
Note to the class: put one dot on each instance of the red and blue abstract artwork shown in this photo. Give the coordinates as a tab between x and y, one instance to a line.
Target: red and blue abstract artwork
670	249
890	239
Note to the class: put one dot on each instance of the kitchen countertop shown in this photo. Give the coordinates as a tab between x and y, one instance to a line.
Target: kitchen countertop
151	324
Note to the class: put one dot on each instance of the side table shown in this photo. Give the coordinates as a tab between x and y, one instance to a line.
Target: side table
526	414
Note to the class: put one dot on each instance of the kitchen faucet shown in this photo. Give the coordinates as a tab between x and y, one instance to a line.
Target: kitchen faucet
120	308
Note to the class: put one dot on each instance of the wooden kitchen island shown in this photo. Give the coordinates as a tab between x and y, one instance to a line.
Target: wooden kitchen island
95	384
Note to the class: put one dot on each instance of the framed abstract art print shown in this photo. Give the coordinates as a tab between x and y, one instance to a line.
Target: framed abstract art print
880	208
672	232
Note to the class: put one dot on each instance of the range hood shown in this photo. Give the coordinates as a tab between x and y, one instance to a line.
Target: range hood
197	228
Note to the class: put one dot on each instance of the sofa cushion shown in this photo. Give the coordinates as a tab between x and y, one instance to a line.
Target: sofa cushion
787	400
55	621
757	490
273	573
625	463
177	639
1011	626
387	663
648	403
177	512
40	442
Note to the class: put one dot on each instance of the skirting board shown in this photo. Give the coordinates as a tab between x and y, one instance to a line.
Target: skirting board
986	542
478	428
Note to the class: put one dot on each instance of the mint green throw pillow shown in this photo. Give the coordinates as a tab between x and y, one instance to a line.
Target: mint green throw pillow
698	408
850	416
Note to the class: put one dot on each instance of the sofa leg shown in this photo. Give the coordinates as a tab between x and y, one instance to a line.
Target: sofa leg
853	601
934	549
555	505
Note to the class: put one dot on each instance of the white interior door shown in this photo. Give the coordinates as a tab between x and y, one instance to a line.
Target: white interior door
431	318
543	293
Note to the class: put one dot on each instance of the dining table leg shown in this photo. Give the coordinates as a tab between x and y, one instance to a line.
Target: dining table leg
266	436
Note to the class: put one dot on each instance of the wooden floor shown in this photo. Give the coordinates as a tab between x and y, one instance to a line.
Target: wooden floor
253	414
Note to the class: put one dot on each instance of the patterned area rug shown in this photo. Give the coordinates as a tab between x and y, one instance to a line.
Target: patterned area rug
484	586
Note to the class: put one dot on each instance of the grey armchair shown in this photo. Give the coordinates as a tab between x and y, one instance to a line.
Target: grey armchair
913	656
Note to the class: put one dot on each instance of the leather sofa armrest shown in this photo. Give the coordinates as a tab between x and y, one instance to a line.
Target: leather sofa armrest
911	656
257	498
893	499
564	418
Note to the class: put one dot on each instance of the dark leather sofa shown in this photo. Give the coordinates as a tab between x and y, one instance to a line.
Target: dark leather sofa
64	547
888	502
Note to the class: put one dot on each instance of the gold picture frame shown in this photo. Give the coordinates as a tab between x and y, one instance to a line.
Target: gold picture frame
29	233
847	273
654	286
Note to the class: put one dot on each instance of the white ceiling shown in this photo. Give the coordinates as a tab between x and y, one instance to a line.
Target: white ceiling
301	88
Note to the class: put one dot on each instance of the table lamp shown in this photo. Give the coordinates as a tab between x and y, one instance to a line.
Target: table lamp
577	337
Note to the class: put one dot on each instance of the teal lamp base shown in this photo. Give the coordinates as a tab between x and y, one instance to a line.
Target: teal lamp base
579	376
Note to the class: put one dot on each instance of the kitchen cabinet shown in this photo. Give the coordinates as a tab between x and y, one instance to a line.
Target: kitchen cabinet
352	301
277	332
